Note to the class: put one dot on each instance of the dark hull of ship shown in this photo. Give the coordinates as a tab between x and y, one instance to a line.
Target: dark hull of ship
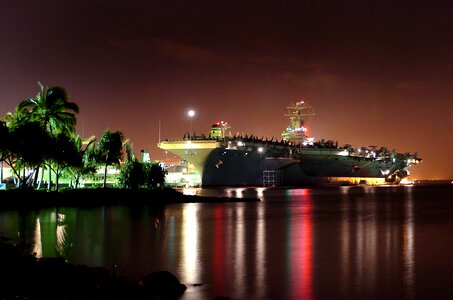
225	167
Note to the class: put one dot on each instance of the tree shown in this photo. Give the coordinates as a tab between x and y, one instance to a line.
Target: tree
51	108
19	117
154	175
4	136
86	163
131	175
64	154
109	150
26	147
135	174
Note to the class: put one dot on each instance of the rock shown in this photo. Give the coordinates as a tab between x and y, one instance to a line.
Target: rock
162	285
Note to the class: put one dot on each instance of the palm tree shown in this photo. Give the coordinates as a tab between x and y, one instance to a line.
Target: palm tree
110	150
65	154
4	134
85	163
51	107
16	119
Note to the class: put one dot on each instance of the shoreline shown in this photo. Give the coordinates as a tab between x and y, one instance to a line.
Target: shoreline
32	199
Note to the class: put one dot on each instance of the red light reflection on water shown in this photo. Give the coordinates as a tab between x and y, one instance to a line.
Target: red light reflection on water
302	243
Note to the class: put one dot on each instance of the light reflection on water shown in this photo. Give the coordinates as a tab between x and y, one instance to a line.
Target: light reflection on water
408	246
190	253
260	247
342	243
37	248
299	241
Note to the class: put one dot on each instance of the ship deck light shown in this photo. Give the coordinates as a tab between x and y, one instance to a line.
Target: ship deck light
385	172
344	153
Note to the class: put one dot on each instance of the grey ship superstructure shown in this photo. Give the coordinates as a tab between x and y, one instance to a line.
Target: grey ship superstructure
296	160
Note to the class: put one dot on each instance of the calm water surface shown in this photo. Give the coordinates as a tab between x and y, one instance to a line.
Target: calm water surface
329	243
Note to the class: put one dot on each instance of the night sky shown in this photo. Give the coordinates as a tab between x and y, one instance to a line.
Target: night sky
376	72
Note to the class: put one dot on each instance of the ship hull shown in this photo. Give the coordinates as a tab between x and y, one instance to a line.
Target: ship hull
283	166
243	168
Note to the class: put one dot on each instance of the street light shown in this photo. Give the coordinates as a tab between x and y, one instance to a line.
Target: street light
191	114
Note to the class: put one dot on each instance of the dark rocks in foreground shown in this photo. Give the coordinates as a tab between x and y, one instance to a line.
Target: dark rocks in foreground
29	199
23	276
162	284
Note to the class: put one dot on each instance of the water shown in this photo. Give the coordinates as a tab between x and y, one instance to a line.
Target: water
329	243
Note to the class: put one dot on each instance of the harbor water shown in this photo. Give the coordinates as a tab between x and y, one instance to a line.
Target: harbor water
325	243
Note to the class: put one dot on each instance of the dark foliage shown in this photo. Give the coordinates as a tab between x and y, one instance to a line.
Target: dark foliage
135	174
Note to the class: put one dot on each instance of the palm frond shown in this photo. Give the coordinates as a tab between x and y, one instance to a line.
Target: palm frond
71	106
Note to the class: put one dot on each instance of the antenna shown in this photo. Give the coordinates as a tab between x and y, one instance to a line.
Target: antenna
159	128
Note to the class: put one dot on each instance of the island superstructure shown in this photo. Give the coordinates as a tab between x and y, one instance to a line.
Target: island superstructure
296	160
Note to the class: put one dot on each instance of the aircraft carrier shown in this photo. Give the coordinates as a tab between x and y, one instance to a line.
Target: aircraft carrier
295	160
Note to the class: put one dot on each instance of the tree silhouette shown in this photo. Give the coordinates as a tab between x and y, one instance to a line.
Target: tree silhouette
64	154
52	109
85	162
109	150
26	147
4	136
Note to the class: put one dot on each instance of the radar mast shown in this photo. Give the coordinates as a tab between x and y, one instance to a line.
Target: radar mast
298	114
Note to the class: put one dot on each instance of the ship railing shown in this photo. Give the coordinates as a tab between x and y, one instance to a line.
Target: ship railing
247	140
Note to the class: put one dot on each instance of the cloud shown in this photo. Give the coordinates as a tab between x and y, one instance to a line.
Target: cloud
190	53
196	54
413	86
176	50
316	79
295	70
282	61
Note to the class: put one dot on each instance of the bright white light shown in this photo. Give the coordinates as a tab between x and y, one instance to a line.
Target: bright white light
260	149
385	172
191	113
343	153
